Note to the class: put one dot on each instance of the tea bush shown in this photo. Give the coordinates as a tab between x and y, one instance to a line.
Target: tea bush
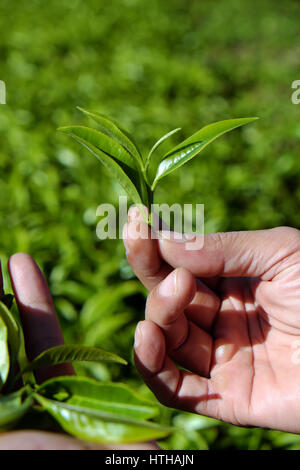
153	66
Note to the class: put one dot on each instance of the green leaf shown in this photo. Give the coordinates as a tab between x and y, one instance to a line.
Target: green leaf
72	353
99	426
108	397
4	353
13	339
159	142
103	142
112	166
113	130
13	331
192	146
13	407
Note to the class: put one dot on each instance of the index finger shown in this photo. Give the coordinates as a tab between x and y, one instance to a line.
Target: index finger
173	387
142	250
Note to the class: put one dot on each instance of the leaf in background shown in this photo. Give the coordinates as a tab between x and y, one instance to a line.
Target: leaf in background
13	407
113	130
105	328
72	353
192	146
192	422
109	397
105	301
4	354
114	168
99	426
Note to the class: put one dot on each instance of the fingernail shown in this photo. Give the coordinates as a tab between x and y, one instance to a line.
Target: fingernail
134	214
168	287
138	336
175	236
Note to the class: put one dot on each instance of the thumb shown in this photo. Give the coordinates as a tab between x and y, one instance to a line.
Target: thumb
259	253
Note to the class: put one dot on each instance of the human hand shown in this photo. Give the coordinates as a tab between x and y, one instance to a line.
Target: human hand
42	331
230	316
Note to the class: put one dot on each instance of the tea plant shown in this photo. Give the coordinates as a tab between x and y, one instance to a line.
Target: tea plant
117	151
88	409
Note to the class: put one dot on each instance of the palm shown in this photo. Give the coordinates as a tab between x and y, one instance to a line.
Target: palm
255	365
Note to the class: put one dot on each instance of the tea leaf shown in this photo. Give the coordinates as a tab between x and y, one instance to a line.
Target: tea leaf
100	426
4	354
103	142
105	301
105	328
112	166
7	299
192	146
13	331
13	407
112	129
109	397
159	142
71	353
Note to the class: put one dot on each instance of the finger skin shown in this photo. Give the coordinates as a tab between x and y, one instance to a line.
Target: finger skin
203	309
142	251
39	440
261	253
39	320
166	303
173	387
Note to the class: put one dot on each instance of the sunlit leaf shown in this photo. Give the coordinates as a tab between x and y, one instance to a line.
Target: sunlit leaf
72	353
113	130
152	161
13	330
4	353
103	142
191	422
102	396
99	426
112	166
13	407
192	146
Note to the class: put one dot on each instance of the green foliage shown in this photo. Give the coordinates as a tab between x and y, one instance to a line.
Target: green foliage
167	65
87	422
120	162
193	145
100	412
4	356
13	407
126	175
70	353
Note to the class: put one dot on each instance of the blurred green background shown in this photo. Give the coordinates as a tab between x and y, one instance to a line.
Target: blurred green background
153	66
